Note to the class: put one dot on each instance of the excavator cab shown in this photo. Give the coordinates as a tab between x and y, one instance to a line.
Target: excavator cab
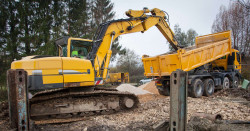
73	47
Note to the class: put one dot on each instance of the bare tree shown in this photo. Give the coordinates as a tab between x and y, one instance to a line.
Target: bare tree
130	62
237	19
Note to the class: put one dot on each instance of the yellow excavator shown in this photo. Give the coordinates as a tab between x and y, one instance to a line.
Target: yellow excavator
68	84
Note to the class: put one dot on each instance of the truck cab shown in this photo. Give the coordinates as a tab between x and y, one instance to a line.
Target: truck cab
228	62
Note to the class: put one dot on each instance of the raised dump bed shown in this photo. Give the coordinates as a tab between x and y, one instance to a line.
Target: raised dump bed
207	49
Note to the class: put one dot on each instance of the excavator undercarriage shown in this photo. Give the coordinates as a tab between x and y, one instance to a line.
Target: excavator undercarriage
65	104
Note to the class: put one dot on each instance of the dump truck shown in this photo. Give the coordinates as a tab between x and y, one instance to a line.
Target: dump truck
211	64
117	78
67	86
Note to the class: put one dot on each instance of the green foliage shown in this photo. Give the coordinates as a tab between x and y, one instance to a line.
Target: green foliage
100	11
3	94
77	18
117	49
184	39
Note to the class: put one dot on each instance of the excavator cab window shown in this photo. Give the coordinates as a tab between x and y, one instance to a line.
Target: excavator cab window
64	51
80	48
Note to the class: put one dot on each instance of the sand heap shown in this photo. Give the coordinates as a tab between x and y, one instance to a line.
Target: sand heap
132	89
150	87
143	86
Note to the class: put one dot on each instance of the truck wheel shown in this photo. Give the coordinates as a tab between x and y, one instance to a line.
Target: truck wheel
197	88
226	83
236	82
164	91
208	87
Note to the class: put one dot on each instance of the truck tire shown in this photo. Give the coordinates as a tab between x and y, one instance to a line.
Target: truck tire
236	82
197	88
208	87
226	83
165	91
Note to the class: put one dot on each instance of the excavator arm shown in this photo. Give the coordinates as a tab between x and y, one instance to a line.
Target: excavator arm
107	32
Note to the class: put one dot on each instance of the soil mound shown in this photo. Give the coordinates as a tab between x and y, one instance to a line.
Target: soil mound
151	88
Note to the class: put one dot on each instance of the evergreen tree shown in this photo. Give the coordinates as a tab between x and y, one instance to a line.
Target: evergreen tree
12	32
77	18
100	11
191	34
184	39
103	12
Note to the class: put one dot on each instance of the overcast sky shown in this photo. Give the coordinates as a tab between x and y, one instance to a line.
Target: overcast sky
196	14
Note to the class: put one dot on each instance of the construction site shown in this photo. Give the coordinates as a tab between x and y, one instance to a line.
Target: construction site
231	104
198	86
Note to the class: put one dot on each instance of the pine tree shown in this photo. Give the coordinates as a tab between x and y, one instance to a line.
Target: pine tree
77	18
184	39
102	11
12	31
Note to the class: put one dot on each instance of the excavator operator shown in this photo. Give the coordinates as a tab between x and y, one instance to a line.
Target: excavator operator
78	54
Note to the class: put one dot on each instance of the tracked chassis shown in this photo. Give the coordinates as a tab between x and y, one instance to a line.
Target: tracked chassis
62	104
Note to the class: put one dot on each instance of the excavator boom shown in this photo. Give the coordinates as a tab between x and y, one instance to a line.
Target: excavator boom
139	21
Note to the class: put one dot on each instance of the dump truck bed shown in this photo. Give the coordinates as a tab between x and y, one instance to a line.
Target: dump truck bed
207	49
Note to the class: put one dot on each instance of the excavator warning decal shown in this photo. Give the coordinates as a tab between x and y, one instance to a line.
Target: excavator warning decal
98	81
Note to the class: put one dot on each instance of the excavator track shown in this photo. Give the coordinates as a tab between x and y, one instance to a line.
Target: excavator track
65	105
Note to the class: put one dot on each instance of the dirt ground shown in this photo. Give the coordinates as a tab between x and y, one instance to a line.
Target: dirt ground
232	104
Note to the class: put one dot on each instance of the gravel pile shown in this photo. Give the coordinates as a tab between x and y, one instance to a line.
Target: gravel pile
151	88
132	89
142	86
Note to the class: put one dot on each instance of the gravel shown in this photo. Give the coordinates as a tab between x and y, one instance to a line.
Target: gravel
155	108
232	105
142	86
132	89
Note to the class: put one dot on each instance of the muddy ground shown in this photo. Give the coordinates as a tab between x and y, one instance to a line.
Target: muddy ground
232	104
